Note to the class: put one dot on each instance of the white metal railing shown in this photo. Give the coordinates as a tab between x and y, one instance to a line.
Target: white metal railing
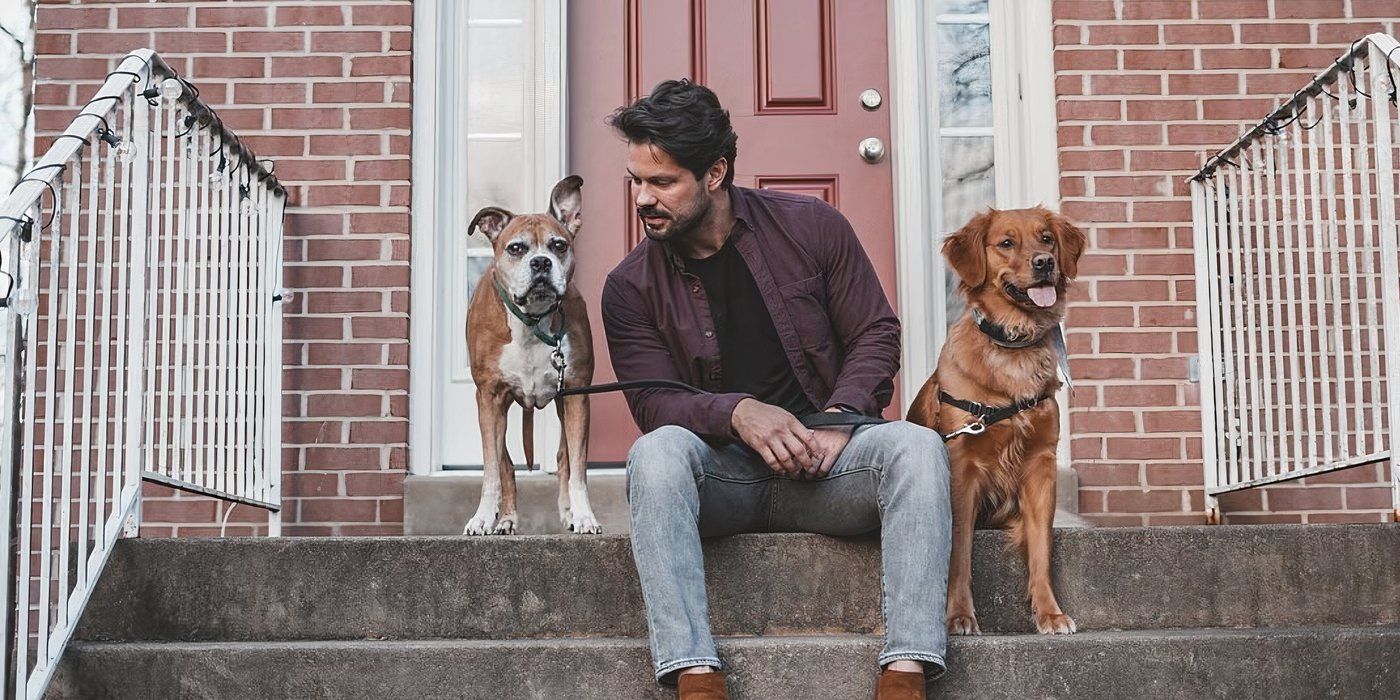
142	342
1297	283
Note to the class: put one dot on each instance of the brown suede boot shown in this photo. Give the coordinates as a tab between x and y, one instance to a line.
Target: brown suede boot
900	685
703	686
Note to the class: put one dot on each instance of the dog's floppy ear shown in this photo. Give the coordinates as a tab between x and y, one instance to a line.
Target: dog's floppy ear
490	221
566	203
1071	244
966	250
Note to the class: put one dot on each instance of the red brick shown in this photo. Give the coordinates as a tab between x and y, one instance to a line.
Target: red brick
1140	395
1101	34
381	65
1377	497
1311	9
1237	108
298	170
347	42
308	66
346	145
269	41
379	432
191	42
355	405
1143	160
1083	9
1125	85
1090	501
1130	186
1232	9
1161	110
48	44
1213	59
303	328
387	379
315	15
1069	85
343	302
230	17
90	42
348	92
1090	110
336	354
280	92
1082	422
1156	9
342	195
1159	59
1100	316
1108	474
1280	83
311	378
300	484
1203	84
1135	342
1196	33
1164	368
1347	33
1314	498
1311	58
1171	422
1274	34
1130	290
337	510
1071	161
49	17
1348	517
63	67
307	118
1174	474
387	118
178	510
362	276
379	223
228	67
400	41
383	15
383	170
1373	8
1066	35
1086	59
1143	501
153	17
1268	519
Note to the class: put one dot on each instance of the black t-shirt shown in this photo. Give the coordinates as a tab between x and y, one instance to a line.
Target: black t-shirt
751	355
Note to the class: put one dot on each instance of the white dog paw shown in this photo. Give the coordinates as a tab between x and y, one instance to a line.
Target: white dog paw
479	525
505	526
586	524
566	518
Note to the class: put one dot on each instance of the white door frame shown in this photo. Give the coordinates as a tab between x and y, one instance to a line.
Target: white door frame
1027	167
439	187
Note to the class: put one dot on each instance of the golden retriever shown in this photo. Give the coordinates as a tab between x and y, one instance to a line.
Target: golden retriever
1013	266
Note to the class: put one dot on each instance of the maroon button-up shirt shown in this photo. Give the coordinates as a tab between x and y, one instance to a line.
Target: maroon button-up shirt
835	324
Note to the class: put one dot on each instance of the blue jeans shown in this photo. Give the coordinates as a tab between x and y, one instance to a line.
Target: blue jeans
892	477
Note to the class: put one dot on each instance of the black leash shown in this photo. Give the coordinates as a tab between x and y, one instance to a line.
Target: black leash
813	420
984	415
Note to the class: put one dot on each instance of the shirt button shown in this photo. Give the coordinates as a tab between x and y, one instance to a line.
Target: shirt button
709	334
695	288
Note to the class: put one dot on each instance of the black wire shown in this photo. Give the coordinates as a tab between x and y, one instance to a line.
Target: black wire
135	77
27	178
1389	74
1351	70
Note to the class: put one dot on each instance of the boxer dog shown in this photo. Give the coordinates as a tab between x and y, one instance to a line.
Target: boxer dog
527	325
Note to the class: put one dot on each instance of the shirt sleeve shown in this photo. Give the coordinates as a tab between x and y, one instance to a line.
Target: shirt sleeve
861	316
638	352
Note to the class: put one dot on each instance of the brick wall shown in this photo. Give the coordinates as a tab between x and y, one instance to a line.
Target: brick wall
1146	90
323	88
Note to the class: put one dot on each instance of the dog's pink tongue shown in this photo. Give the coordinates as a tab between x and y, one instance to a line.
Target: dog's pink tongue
1043	297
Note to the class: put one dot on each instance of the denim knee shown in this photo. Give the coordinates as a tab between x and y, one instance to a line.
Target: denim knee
916	453
662	461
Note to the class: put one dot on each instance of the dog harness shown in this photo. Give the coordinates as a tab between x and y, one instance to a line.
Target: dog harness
532	321
983	415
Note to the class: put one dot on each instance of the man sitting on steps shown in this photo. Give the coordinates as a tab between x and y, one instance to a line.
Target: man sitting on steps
767	300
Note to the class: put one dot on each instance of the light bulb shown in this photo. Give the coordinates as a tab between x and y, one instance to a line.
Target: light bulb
247	207
23	301
217	176
171	89
126	151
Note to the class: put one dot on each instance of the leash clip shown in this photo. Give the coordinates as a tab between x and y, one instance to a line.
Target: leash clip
976	427
556	359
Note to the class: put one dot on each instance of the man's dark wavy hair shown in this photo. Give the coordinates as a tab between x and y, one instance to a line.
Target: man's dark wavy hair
686	121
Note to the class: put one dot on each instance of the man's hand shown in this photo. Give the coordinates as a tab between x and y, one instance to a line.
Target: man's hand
787	446
830	442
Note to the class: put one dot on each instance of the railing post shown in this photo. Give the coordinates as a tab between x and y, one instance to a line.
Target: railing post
273	338
11	400
140	138
1205	343
1390	267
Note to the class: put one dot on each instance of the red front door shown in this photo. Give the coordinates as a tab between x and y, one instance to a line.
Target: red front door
790	72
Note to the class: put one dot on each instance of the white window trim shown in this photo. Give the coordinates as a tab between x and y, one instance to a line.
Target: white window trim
439	178
1027	166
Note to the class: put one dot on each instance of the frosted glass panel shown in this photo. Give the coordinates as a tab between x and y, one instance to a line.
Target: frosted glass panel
962	7
965	75
496	79
968	188
494	177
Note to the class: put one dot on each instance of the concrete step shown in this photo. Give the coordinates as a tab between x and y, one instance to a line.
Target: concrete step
570	586
1345	662
441	504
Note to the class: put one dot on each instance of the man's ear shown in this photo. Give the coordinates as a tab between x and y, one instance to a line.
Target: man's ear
1070	244
491	221
566	203
717	171
966	250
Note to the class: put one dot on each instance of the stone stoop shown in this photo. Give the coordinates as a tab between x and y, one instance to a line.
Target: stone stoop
1170	612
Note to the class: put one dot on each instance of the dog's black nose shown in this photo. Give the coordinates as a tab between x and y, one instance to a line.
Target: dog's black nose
1043	262
540	264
